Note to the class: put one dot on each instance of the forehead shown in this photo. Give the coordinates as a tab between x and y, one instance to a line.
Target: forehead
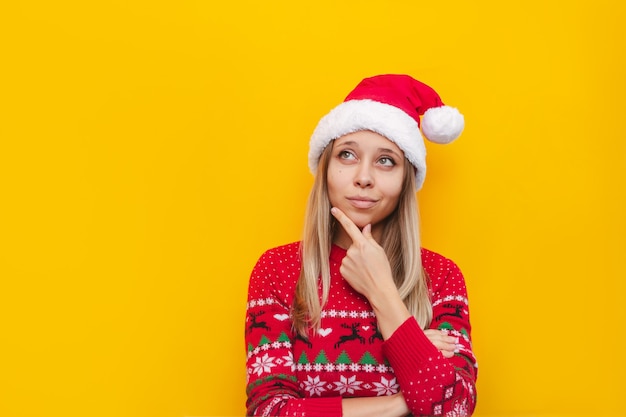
367	138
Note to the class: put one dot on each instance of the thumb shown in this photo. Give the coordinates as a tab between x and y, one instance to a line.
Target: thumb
367	231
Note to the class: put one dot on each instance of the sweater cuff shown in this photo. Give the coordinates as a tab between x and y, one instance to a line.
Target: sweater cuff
408	348
324	407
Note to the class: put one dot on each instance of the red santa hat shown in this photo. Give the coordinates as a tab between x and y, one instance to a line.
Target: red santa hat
391	105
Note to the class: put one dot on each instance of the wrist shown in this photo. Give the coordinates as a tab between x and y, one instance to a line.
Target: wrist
385	406
390	313
384	298
399	405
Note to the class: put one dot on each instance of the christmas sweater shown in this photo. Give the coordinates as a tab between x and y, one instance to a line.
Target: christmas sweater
290	375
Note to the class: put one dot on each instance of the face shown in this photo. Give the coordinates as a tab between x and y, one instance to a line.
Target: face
365	176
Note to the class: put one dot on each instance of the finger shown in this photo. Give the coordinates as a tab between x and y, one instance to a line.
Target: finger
367	231
348	225
430	333
447	354
448	338
440	335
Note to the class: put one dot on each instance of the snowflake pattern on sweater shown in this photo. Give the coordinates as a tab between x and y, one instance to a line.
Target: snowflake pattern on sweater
289	375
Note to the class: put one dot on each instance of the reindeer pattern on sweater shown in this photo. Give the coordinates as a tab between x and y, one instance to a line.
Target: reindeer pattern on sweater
347	357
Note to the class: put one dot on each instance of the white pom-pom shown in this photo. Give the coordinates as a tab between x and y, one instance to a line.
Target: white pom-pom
442	124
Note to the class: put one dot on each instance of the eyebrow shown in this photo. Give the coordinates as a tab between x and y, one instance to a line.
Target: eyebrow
382	150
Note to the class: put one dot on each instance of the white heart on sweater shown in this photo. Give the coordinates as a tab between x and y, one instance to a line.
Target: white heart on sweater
324	332
281	317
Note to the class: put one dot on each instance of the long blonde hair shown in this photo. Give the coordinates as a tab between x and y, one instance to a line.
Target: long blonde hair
400	240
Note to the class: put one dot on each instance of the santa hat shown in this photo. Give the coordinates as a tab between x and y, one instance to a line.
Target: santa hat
391	105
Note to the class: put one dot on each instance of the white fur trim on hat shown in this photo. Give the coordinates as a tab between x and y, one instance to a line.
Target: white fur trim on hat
384	119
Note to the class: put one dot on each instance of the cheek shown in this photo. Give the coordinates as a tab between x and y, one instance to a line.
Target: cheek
336	185
393	188
335	179
331	184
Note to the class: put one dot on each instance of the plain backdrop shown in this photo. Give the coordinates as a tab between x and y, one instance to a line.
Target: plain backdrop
150	151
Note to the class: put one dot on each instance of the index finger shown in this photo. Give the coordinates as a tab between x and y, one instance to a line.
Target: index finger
348	225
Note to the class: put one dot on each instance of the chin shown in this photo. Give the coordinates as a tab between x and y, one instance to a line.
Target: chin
360	220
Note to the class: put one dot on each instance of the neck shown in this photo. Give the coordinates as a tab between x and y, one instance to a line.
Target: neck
343	240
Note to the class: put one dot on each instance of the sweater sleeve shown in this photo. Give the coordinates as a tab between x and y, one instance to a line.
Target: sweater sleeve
431	384
272	385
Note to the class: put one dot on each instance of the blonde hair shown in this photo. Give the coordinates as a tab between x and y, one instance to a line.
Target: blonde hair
400	240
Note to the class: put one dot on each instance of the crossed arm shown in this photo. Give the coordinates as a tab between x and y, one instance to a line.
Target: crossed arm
409	349
367	270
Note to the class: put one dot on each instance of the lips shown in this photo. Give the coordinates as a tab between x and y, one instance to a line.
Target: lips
362	202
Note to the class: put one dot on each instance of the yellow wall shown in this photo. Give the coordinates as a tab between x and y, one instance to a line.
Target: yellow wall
150	151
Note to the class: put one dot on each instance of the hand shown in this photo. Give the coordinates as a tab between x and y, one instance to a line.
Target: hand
445	343
384	406
365	266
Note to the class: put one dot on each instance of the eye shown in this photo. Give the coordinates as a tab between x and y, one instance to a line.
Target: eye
387	161
346	155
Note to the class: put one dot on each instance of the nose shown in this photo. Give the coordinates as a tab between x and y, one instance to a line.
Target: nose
363	177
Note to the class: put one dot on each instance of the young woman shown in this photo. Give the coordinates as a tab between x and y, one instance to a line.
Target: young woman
357	319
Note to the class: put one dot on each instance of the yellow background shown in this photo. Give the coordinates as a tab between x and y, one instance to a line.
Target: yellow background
150	151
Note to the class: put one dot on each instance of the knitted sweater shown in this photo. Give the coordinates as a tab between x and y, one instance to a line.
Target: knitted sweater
288	375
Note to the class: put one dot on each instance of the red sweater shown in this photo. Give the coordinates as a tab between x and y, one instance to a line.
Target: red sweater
292	376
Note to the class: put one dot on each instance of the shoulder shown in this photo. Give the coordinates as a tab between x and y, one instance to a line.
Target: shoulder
279	261
443	273
281	254
276	273
436	263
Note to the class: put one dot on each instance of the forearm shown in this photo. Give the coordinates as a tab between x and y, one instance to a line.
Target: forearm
298	407
429	381
387	406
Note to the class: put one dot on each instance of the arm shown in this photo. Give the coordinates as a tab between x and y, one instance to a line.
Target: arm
386	406
272	386
430	383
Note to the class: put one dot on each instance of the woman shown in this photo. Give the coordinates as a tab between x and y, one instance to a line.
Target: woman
357	319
